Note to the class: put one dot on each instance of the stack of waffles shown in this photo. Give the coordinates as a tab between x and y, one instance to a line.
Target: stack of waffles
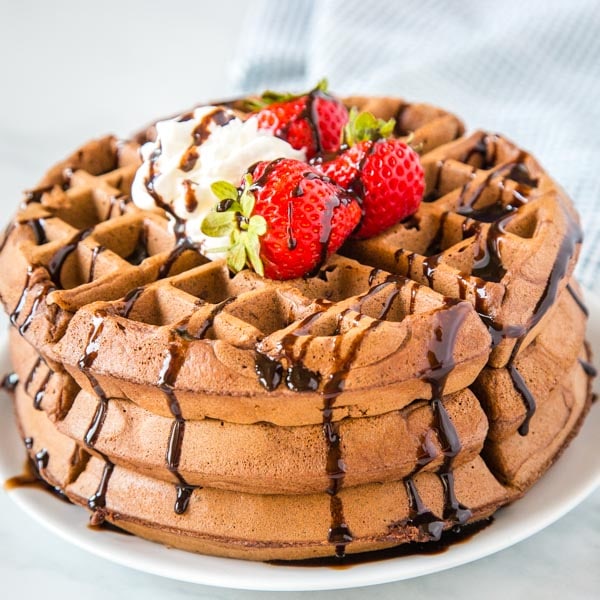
418	382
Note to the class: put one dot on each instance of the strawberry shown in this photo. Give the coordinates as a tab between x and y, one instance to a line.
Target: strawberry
312	121
284	220
384	173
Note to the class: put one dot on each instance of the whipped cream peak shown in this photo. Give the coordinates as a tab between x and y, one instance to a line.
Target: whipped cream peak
193	151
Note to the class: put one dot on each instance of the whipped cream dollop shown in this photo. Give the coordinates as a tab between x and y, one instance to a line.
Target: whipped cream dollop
193	151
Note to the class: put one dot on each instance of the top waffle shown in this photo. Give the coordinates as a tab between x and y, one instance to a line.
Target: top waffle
108	290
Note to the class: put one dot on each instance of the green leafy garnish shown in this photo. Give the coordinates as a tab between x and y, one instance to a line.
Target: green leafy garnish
232	216
366	126
269	97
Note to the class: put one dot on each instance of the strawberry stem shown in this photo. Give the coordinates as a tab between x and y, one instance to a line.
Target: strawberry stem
366	126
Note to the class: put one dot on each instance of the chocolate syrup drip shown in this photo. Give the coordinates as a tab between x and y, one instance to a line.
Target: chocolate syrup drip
42	458
588	368
292	242
58	260
299	378
209	321
573	236
95	252
440	355
339	532
497	210
38	226
269	371
93	432
16	313
41	391
578	300
526	395
140	252
488	264
183	245
130	300
9	382
97	502
429	266
456	535
182	242
45	289
32	373
310	115
190	200
189	159
202	131
413	297
32	478
420	516
172	364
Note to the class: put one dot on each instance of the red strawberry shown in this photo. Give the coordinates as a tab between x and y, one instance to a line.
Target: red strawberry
385	174
312	121
284	220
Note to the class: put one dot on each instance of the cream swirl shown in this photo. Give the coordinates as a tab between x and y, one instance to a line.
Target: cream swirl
193	151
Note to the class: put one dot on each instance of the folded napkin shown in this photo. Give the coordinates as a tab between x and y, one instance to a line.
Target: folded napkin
530	70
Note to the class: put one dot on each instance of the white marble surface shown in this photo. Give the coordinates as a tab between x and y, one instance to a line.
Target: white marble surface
72	70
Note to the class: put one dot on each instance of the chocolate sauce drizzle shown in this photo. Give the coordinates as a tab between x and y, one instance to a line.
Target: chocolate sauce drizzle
457	535
588	368
578	300
9	382
45	288
488	264
174	359
95	252
31	476
441	361
339	532
58	260
96	502
172	363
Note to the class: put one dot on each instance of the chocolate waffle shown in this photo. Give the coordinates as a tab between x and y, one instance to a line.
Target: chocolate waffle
413	384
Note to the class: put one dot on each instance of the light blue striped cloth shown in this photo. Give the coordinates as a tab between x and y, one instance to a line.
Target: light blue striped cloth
527	68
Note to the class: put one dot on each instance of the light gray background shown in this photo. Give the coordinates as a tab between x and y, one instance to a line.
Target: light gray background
73	70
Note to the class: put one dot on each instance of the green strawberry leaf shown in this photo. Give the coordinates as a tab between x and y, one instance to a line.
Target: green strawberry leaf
257	225
224	190
366	126
218	224
322	86
236	257
269	97
252	245
247	199
232	216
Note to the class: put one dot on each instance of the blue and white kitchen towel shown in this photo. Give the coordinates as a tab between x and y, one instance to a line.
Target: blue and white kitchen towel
530	69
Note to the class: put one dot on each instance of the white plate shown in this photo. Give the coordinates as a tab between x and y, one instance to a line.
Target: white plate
568	483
